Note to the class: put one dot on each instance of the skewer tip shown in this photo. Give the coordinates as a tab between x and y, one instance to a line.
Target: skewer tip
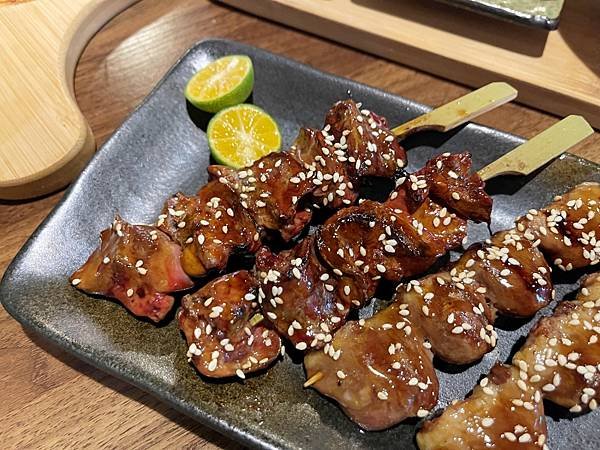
256	319
312	380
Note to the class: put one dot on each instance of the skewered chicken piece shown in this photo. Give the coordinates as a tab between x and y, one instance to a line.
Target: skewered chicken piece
504	412
307	292
513	271
209	227
454	317
304	299
373	240
379	370
447	180
562	354
271	190
317	155
567	228
371	148
217	323
560	361
136	264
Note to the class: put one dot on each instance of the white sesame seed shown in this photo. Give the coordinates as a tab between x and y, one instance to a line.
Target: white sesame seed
487	422
212	365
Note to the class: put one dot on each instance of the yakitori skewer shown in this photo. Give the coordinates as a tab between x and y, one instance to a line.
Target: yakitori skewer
458	333
558	362
589	207
307	297
278	193
340	240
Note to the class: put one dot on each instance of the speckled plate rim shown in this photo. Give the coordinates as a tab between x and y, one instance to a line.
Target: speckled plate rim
122	372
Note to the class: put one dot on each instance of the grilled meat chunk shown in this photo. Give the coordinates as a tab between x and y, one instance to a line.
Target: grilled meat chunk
443	196
378	370
453	315
304	299
568	229
515	275
136	264
562	354
209	226
451	183
370	147
504	412
371	241
328	166
218	325
272	191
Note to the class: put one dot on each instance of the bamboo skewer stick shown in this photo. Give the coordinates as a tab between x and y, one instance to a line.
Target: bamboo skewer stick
459	111
526	158
540	149
312	380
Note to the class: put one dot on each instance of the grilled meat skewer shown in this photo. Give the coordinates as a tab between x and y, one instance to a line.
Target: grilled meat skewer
454	311
217	323
558	362
502	413
231	212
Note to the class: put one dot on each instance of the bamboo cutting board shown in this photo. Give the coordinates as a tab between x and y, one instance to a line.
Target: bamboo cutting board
44	139
558	71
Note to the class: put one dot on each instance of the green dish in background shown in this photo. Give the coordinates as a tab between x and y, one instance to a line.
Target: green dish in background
537	13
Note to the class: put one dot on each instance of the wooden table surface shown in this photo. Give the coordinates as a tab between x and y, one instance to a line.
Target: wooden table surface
48	398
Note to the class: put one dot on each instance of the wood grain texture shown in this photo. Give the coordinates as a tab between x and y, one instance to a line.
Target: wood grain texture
49	399
558	72
44	139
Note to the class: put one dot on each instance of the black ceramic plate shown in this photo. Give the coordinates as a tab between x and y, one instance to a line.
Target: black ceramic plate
159	150
537	13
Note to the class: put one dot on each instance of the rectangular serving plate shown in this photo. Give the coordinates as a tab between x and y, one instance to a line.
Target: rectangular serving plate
537	13
159	150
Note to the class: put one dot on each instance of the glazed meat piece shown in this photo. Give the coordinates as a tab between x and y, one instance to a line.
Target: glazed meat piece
304	299
136	264
562	354
370	147
271	190
442	197
513	271
453	315
218	325
371	241
328	167
503	413
452	184
209	226
443	225
378	370
567	229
